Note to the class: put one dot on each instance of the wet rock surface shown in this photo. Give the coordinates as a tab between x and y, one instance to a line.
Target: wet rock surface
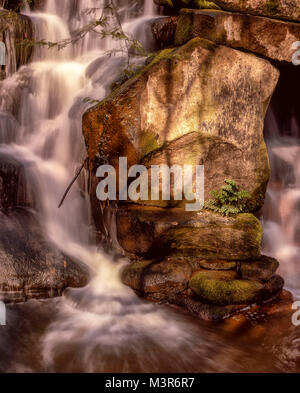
30	267
207	293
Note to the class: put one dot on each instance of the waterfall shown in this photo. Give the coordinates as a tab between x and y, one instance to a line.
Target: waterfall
281	214
50	109
44	103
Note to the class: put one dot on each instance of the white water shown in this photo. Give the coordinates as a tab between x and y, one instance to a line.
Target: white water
282	210
49	94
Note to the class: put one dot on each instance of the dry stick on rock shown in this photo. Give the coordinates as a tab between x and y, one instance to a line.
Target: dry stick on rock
72	182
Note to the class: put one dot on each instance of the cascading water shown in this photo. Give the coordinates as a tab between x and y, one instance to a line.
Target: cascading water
281	213
105	327
49	143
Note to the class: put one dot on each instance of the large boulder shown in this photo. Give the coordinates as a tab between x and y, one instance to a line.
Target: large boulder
281	9
264	36
30	266
216	94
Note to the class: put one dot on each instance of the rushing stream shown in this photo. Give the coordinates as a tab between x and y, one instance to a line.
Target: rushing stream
105	327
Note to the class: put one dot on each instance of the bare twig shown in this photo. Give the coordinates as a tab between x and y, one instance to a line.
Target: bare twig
72	182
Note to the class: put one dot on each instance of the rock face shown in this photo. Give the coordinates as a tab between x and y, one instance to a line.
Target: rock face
202	95
281	9
31	268
13	29
200	103
267	37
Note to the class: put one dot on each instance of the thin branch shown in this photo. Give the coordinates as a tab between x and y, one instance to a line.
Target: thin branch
72	182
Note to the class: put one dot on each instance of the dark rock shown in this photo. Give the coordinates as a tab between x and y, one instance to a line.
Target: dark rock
15	5
164	277
273	287
30	267
262	269
164	31
15	28
14	190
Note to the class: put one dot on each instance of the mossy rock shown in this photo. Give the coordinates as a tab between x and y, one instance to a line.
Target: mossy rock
215	237
262	269
223	288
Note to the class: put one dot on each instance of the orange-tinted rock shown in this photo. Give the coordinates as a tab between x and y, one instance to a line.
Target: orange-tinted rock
263	36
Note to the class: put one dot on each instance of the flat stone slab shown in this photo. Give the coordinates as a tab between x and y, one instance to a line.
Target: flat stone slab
157	232
267	37
281	9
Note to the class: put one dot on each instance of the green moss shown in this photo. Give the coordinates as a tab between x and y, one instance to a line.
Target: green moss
218	288
137	266
190	4
148	143
251	225
206	4
184	29
271	8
